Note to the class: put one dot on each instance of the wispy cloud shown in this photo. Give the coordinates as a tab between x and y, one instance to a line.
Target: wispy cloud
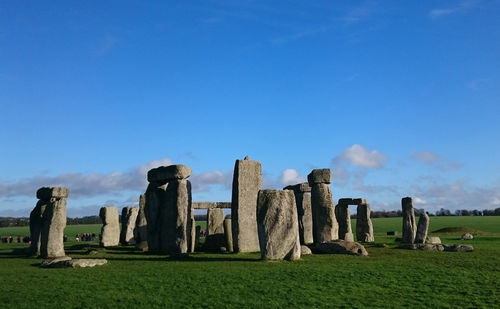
436	161
462	6
290	176
359	156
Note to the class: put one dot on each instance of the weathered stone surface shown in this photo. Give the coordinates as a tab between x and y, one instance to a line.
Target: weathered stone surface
409	225
278	226
45	193
325	226
165	174
154	199
364	226
110	231
423	226
425	247
343	216
36	220
349	237
68	262
247	181
458	248
228	235
301	187
141	228
129	218
340	247
434	240
192	237
304	250
323	175
53	224
467	236
207	205
55	262
345	201
215	238
359	201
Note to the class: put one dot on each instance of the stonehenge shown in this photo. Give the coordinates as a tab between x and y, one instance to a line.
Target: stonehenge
168	209
325	226
277	224
129	218
364	226
47	222
110	231
247	181
409	225
302	192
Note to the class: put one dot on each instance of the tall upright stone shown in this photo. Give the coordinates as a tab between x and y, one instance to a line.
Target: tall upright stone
129	218
36	219
141	228
343	216
302	192
409	225
325	226
110	231
364	226
247	181
168	209
277	223
422	228
53	220
215	229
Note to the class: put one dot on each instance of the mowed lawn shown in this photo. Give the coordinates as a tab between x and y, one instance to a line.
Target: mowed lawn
388	278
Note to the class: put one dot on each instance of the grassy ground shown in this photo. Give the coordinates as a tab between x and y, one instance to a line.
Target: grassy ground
387	278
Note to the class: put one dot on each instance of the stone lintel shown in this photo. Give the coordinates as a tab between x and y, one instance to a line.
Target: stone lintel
300	187
46	193
168	173
207	205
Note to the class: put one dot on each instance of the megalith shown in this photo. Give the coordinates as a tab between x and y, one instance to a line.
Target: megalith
247	181
36	219
325	226
343	216
53	221
129	218
110	231
364	226
422	228
302	192
228	235
168	209
409	225
215	230
141	229
278	226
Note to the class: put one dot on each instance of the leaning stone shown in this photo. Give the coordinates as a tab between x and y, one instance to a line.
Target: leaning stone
86	262
458	248
409	225
110	231
467	236
129	217
278	225
53	224
323	175
165	174
340	247
45	193
304	250
433	240
247	181
228	235
423	226
215	230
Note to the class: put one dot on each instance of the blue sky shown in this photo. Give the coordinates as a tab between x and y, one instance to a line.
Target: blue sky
399	98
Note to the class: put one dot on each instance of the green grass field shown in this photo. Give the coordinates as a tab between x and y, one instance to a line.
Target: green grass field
388	278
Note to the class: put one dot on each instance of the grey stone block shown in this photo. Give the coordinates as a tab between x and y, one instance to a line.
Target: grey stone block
409	225
323	175
325	226
165	174
45	193
110	231
52	233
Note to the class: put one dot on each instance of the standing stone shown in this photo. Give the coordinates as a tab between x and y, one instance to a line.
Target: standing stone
154	197
192	238
364	226
36	219
302	193
247	181
325	226
278	225
343	216
110	231
197	237
228	234
141	229
215	229
53	221
409	225
129	218
422	228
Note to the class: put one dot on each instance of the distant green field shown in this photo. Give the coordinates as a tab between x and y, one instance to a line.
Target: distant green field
388	278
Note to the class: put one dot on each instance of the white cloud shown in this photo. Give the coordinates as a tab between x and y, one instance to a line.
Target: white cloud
359	156
202	182
435	160
462	6
290	176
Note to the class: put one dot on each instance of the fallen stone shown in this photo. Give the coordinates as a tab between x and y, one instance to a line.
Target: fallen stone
278	225
467	236
340	247
458	248
304	250
165	174
68	262
56	262
323	175
45	193
433	240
